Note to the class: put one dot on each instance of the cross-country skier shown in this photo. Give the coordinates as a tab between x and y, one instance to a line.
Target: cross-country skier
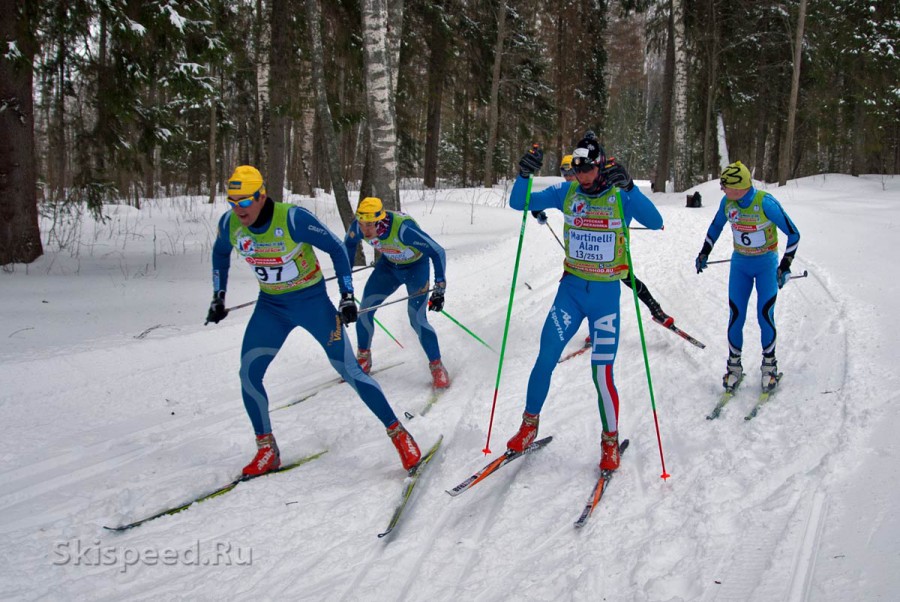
755	217
596	207
405	254
643	293
277	240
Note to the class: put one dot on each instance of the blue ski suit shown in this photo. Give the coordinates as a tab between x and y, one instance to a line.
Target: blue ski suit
276	315
387	276
748	269
578	298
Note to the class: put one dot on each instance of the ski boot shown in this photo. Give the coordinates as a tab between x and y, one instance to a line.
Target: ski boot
267	457
770	375
405	444
659	316
439	377
526	435
364	357
609	445
734	374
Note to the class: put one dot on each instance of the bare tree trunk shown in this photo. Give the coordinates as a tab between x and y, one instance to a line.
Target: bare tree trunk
437	73
20	235
712	69
58	123
784	163
665	122
313	19
680	117
379	102
494	109
263	10
279	77
212	145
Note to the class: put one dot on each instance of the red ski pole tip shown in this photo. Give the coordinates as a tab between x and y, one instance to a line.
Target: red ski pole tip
486	451
664	476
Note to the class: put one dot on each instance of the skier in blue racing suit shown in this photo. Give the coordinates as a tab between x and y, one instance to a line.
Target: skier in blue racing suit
755	218
597	207
276	240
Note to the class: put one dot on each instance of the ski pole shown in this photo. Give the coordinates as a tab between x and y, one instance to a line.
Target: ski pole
803	275
388	332
637	308
249	303
377	307
472	334
556	237
718	261
512	294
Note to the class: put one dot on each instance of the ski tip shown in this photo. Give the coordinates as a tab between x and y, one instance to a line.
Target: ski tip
624	445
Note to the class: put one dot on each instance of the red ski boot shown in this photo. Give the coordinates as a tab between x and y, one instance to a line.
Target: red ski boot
364	357
609	445
267	457
405	444
526	435
440	378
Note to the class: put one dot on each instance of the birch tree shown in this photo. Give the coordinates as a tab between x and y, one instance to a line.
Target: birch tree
379	103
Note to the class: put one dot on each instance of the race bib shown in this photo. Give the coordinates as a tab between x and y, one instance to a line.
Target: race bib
587	245
753	240
273	274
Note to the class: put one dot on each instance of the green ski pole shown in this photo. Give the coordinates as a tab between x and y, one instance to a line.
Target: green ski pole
358	302
472	334
512	294
637	308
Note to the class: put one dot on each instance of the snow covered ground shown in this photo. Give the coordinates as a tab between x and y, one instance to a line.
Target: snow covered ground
118	402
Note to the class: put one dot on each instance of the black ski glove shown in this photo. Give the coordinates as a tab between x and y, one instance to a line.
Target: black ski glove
784	270
703	257
436	302
531	162
347	308
617	175
217	311
540	216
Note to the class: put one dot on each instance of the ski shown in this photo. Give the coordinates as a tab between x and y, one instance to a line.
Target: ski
723	400
763	398
409	486
681	333
432	399
215	493
597	493
495	464
587	345
327	385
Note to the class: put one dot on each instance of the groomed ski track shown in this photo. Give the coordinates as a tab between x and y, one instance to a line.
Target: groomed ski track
125	427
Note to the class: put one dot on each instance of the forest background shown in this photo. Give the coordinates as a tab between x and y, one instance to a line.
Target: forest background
105	100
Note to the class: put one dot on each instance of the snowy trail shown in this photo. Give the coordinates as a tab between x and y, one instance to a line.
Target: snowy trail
745	515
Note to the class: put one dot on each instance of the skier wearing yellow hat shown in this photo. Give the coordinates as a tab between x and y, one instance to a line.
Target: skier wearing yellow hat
405	253
755	218
277	241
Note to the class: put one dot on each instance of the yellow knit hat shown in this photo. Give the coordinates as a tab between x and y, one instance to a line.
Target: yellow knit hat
566	163
370	209
245	181
737	176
